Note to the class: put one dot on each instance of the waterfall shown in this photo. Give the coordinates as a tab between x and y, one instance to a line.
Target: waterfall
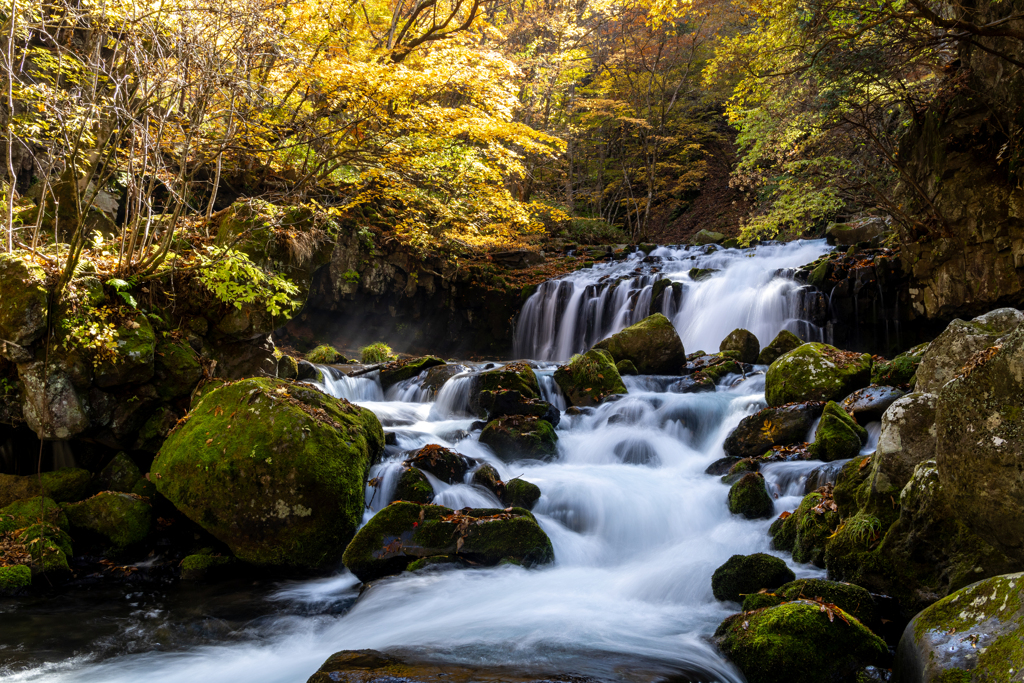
749	288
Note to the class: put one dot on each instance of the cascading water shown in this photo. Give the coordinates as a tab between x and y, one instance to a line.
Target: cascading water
636	524
748	288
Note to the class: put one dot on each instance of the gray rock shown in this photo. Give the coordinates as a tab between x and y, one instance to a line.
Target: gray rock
50	404
707	237
907	439
869	404
769	427
961	340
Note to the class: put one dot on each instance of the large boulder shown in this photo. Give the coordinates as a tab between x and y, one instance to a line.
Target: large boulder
838	435
948	352
749	497
275	470
980	444
23	306
769	427
784	342
816	372
404	532
399	370
516	376
974	634
520	436
907	439
705	236
120	519
743	343
653	345
588	379
745	574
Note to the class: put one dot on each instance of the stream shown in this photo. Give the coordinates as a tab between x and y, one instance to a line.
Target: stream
636	524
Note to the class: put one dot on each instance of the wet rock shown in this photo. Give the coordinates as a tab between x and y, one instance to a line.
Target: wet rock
444	463
306	371
287	367
948	352
626	367
769	427
520	493
805	532
589	379
653	346
797	642
749	497
413	486
23	308
721	466
869	404
203	566
511	402
701	274
64	485
38	533
846	596
439	374
122	474
437	562
136	349
744	574
901	370
273	469
487	477
636	451
120	519
907	439
404	532
395	372
516	376
838	435
744	343
816	372
520	436
705	236
974	634
740	469
696	383
176	370
783	343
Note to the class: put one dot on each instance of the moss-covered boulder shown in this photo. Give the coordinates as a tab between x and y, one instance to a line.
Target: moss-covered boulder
745	574
588	379
974	635
202	565
32	533
400	370
176	369
948	352
743	343
778	426
783	343
511	402
23	306
404	532
653	346
120	519
134	358
64	485
273	469
520	436
798	642
23	513
846	596
907	439
626	367
521	494
901	370
444	463
816	372
486	476
287	367
749	497
701	274
806	531
516	376
14	578
413	486
838	435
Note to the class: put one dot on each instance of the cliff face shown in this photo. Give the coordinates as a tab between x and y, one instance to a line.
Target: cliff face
967	155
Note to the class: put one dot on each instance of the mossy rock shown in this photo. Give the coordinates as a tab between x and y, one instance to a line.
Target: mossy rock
749	497
273	469
838	435
121	519
404	532
701	274
405	369
521	494
120	474
176	370
626	367
287	368
745	574
36	527
135	354
975	635
486	476
588	379
510	402
797	642
778	426
740	469
743	343
413	486
761	600
816	372
653	345
511	377
23	513
520	436
202	566
704	237
152	434
23	306
716	371
848	597
899	371
324	354
64	485
783	343
805	532
444	463
658	288
14	579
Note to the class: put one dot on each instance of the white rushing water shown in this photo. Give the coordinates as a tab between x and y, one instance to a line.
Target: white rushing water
637	526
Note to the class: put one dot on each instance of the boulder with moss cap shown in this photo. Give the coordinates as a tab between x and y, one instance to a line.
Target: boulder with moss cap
407	368
749	497
744	574
948	352
520	436
273	469
784	342
743	343
120	519
816	372
778	426
64	485
590	378
838	435
653	346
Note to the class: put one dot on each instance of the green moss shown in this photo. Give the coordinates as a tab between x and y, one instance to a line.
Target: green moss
177	370
701	274
798	643
23	513
588	379
48	545
378	352
406	369
414	487
899	371
755	601
520	436
23	306
326	355
745	574
816	372
120	474
521	494
275	470
784	342
652	345
838	435
14	578
511	377
742	345
197	567
850	598
805	532
749	497
64	485
659	287
625	367
719	370
120	518
135	355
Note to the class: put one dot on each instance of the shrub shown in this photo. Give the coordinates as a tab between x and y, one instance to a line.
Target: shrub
324	354
378	352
